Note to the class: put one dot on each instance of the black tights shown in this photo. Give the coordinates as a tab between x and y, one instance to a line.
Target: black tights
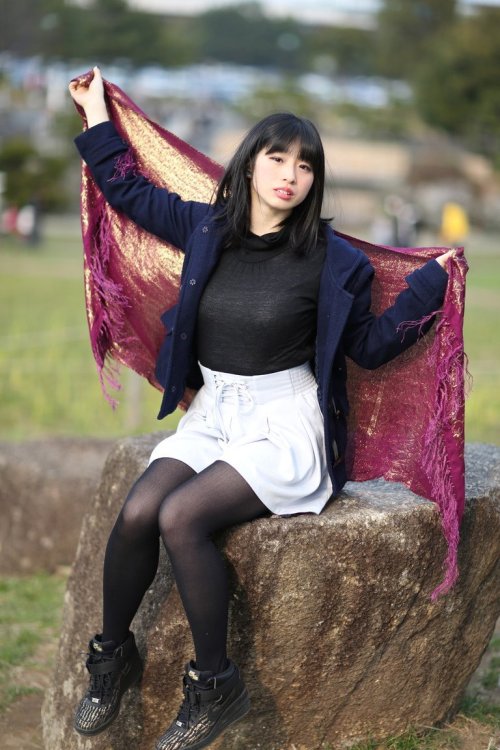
184	508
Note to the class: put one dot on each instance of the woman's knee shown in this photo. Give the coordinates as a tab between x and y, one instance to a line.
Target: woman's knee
135	522
176	521
139	514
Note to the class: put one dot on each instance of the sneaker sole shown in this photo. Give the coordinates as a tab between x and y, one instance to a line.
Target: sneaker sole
234	713
134	680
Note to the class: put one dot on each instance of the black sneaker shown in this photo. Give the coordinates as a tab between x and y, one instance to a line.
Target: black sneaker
111	673
208	708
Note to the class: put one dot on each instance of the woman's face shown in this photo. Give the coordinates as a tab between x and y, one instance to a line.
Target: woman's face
280	181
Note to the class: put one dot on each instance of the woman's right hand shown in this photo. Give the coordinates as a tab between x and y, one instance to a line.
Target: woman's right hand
90	96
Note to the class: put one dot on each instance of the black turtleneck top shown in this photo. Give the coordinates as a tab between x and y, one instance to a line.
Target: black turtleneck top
257	314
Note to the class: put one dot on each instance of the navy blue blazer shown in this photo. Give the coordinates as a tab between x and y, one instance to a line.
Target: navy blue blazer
346	326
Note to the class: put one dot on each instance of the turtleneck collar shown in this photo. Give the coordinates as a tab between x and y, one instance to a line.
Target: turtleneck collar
269	241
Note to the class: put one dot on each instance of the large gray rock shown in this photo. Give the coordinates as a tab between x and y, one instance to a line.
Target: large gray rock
331	619
46	487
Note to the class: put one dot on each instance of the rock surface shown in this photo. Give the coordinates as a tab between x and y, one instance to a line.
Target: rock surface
331	620
46	487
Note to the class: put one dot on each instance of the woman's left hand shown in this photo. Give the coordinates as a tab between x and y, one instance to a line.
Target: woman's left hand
90	96
443	259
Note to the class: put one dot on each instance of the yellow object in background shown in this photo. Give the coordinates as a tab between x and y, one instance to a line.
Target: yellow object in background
454	223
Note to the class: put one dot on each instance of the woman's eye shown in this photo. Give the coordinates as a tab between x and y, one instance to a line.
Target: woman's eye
277	158
306	167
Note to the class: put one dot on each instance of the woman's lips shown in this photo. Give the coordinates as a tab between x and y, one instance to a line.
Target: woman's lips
284	193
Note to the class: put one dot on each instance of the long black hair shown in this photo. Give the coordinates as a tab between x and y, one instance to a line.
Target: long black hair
277	132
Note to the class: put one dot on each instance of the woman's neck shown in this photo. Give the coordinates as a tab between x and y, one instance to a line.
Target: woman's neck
264	222
262	229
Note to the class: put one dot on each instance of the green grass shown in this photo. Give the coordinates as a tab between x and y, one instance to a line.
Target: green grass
485	715
481	711
48	379
411	740
491	679
482	344
30	614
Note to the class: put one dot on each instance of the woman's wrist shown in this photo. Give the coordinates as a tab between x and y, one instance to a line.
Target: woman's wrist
96	115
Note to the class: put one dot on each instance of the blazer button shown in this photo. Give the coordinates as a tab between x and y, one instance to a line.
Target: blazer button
173	388
192	282
184	336
205	229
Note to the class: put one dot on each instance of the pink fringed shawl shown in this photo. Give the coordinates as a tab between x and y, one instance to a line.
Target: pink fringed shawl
407	417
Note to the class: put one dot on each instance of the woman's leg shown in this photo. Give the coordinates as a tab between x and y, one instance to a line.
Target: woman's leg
214	499
131	558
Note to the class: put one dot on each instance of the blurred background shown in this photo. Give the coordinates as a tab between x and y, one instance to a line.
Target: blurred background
406	96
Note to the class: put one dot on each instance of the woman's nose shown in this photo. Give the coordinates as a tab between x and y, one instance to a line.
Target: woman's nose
289	173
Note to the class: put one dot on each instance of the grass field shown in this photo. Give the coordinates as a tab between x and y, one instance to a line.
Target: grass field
30	615
48	380
482	341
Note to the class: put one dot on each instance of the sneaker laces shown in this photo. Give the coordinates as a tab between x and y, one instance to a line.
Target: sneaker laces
101	685
190	705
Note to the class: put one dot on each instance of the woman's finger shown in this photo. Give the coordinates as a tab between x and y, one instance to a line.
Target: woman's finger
443	259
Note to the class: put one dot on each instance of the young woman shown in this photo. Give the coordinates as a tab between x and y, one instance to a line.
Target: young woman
271	301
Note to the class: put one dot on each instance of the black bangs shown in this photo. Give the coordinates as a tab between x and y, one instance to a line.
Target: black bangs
290	134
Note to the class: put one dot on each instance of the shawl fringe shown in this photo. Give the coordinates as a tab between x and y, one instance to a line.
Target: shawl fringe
109	302
450	367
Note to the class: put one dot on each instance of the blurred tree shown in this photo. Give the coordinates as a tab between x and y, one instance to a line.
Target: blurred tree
406	29
20	27
243	34
119	33
457	84
31	176
65	30
109	30
178	42
285	98
103	30
350	51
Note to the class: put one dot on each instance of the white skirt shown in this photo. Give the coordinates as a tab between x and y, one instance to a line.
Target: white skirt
267	427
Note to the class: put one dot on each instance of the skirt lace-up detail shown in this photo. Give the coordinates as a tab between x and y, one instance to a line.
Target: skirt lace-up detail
232	392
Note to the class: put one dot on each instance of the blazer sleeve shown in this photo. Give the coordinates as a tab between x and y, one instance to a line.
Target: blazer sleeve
372	341
155	209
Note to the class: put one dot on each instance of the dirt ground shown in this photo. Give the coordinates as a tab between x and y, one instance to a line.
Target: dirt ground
20	726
